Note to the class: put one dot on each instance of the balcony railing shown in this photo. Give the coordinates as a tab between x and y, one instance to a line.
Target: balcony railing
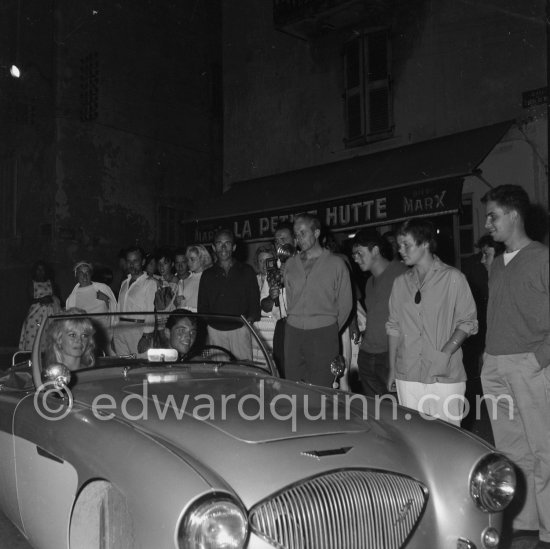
308	18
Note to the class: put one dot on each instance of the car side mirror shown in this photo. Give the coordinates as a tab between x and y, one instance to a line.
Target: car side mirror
58	375
337	369
55	382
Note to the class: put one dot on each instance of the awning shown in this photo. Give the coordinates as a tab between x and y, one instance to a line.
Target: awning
420	179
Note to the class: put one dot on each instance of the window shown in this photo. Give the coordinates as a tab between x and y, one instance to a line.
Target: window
368	108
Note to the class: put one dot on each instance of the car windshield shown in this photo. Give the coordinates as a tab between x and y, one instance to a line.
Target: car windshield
81	341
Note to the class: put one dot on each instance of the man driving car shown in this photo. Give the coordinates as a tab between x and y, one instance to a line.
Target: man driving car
180	333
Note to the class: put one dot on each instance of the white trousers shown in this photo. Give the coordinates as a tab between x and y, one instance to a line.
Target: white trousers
438	400
238	341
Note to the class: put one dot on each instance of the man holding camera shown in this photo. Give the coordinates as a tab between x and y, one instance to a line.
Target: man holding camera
276	302
319	299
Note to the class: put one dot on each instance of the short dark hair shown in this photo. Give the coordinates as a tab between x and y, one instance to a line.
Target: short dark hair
510	197
485	240
151	256
490	242
164	253
224	230
177	315
314	222
284	226
369	239
421	230
135	249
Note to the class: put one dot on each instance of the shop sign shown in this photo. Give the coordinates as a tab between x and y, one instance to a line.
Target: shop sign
375	208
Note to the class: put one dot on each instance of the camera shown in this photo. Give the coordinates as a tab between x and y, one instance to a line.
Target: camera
274	274
270	264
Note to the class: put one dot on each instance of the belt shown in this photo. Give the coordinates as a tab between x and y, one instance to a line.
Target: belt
138	320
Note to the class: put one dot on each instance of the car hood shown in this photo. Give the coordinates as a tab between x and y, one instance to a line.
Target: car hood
256	434
247	408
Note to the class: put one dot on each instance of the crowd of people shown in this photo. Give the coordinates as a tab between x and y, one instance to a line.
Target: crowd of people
162	281
304	297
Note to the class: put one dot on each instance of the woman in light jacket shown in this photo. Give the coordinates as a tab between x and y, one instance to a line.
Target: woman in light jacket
431	313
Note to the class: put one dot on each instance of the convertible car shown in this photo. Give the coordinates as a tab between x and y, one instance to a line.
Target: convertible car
181	443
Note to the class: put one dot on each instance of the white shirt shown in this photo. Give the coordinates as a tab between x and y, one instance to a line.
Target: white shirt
191	291
138	297
508	256
86	298
277	311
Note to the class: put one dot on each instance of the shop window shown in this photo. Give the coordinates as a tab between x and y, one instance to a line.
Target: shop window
466	227
89	87
368	100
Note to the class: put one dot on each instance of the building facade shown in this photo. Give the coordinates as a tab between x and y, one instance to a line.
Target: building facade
110	136
331	106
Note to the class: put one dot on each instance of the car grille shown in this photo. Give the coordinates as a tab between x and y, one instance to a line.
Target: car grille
350	509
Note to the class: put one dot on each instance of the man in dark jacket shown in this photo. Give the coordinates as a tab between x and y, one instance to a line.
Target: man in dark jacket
229	287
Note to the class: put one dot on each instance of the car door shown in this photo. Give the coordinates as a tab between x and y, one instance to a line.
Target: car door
46	483
9	400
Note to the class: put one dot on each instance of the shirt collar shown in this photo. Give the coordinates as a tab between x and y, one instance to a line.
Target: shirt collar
143	274
437	265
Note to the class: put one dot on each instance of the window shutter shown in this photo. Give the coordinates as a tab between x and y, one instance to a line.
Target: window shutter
355	127
379	114
353	64
378	55
379	119
368	108
353	86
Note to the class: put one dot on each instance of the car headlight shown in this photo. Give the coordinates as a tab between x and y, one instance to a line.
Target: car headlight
493	483
214	523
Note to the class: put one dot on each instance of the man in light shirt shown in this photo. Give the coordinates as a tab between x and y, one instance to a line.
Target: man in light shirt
137	294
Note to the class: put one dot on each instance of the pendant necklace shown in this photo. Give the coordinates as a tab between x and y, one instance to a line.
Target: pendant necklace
418	295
